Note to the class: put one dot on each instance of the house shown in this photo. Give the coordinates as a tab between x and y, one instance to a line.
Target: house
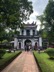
28	36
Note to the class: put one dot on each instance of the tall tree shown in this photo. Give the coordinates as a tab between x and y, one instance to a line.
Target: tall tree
48	20
13	12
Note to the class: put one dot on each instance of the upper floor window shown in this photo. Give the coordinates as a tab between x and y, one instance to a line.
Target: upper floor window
27	32
33	32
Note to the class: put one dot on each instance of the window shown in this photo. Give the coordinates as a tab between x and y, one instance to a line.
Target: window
22	32
33	32
27	32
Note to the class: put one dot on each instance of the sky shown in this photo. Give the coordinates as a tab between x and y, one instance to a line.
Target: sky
38	9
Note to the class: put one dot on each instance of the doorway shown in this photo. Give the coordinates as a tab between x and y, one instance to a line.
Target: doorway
19	45
28	44
35	47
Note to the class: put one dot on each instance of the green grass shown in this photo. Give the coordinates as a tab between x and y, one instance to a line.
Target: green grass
44	61
7	57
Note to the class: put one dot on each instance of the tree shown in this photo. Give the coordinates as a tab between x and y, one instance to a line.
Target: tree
14	12
48	20
3	35
49	13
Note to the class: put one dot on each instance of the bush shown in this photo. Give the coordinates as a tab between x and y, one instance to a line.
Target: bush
50	52
2	52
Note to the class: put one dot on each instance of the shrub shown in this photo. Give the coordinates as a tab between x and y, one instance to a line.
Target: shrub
2	52
50	52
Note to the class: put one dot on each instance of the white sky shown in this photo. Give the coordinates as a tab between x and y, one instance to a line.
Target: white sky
38	8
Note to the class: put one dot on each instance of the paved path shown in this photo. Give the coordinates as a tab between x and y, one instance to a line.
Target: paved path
25	62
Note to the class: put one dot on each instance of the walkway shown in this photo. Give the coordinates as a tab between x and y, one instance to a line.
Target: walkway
25	62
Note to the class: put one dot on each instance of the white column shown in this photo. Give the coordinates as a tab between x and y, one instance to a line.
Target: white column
37	44
15	42
40	42
31	32
20	32
35	32
24	32
18	45
23	44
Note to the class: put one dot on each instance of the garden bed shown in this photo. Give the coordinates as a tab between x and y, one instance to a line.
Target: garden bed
8	58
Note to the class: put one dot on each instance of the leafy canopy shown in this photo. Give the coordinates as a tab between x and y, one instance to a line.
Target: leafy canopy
13	12
47	19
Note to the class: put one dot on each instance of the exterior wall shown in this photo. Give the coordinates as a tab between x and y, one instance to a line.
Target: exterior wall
33	41
31	32
22	41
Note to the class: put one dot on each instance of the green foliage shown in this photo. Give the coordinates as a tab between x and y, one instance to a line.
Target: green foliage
5	36
43	33
47	20
13	12
2	35
4	41
50	52
49	12
12	15
44	62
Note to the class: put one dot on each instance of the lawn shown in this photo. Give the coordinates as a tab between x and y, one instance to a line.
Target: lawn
7	58
46	64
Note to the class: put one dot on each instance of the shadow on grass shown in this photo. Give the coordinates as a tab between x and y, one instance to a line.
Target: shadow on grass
51	59
1	58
